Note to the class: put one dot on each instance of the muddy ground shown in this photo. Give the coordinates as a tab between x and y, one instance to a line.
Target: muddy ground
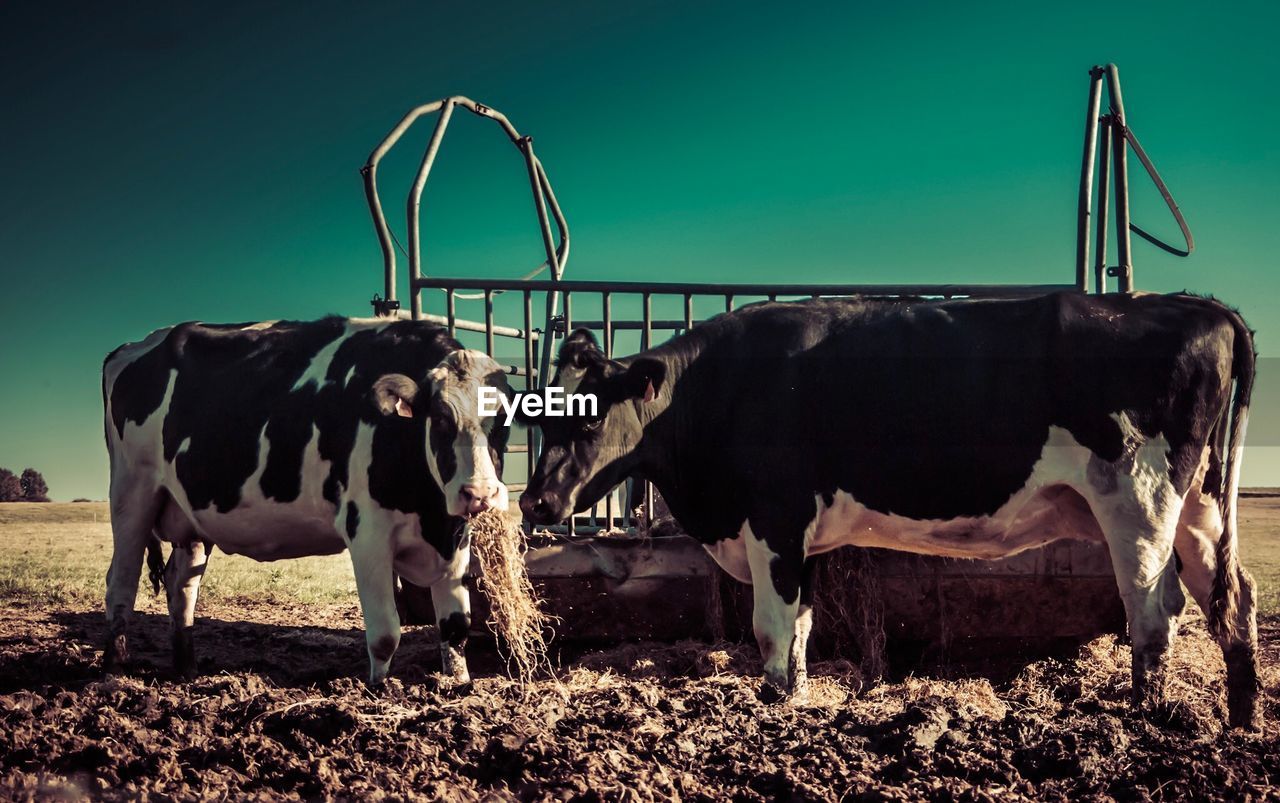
280	712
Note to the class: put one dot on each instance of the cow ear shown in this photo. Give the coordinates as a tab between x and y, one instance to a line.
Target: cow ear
644	377
580	350
394	393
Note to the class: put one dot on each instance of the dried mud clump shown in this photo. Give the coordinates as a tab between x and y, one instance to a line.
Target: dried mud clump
516	615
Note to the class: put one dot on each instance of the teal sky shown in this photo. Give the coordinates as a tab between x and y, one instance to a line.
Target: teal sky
177	161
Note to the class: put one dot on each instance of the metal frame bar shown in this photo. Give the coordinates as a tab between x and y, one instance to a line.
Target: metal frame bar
710	289
1086	178
1117	138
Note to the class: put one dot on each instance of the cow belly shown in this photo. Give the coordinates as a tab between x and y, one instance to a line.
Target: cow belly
1045	509
269	531
1048	515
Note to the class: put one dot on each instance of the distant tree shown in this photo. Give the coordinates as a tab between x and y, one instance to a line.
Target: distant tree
34	488
10	486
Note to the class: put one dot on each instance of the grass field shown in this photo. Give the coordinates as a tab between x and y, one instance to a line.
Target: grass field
58	553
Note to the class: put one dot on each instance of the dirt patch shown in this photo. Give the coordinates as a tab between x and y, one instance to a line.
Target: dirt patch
281	712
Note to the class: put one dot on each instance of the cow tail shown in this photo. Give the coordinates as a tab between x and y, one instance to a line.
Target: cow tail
155	563
1227	583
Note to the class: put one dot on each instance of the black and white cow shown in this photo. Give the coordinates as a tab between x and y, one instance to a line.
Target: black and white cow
967	428
284	439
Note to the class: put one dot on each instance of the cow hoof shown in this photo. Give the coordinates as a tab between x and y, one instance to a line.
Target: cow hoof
770	694
184	656
1243	690
462	688
1243	710
115	656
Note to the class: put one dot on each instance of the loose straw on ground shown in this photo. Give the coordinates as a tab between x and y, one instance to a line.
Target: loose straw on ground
516	615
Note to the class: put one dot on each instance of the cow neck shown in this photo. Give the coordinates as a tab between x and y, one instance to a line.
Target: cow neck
661	438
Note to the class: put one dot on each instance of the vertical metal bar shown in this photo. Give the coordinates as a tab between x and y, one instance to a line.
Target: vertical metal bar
530	437
646	339
728	302
773	296
646	334
488	322
1104	197
606	316
1120	155
688	312
1086	179
452	312
415	201
568	328
648	504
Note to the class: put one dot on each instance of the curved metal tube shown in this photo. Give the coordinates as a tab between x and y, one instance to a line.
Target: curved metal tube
544	198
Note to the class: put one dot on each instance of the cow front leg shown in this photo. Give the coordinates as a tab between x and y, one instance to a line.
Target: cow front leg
375	583
775	585
452	603
182	576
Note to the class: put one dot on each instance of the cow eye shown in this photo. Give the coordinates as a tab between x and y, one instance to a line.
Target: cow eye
593	425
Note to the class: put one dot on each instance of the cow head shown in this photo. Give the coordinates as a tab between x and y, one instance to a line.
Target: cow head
464	450
584	456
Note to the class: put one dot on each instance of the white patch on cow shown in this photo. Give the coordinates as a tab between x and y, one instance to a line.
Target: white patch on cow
1138	509
772	618
123	357
254	327
731	555
1033	516
318	371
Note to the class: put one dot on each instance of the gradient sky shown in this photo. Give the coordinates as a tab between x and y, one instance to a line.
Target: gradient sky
175	161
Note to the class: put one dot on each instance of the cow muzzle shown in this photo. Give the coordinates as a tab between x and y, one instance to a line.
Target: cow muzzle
544	508
477	497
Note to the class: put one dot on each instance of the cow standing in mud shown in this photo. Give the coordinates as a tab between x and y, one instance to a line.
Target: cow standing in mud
284	439
968	428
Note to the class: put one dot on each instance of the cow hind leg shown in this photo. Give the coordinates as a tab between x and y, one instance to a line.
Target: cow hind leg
1199	529
134	508
804	625
1137	508
182	578
775	584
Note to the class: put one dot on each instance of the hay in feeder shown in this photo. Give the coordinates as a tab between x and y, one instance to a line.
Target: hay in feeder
515	613
848	608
